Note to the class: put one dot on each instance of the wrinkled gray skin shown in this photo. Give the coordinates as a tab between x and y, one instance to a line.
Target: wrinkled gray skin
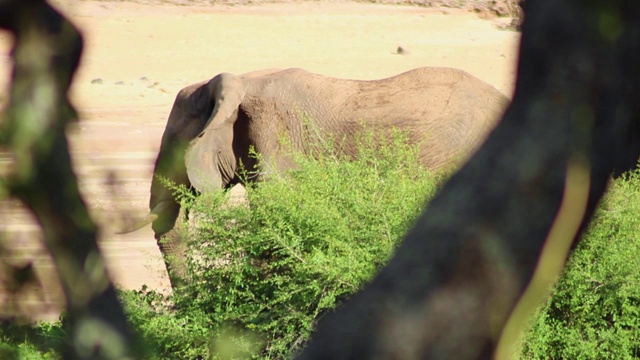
212	125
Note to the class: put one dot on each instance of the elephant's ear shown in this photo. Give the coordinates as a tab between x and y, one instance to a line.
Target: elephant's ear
215	143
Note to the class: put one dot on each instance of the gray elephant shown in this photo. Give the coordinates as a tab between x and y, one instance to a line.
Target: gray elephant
213	124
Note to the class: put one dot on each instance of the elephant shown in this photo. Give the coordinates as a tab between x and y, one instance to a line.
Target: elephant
213	124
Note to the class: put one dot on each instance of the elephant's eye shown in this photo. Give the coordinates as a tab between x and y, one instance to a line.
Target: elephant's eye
200	135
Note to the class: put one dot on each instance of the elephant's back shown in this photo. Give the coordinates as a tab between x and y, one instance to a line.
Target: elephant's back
447	112
434	90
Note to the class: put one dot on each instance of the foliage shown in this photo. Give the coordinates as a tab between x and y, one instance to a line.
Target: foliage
26	342
166	333
311	238
594	311
262	276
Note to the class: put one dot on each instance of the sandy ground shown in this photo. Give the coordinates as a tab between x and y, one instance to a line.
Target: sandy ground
138	56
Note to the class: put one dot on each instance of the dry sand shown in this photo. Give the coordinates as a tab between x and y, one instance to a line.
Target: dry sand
138	56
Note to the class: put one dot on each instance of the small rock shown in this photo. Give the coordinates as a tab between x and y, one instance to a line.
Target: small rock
144	78
402	51
97	81
120	83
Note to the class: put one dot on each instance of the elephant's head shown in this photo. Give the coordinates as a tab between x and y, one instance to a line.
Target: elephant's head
199	148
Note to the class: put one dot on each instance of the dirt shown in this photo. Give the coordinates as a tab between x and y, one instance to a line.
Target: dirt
138	55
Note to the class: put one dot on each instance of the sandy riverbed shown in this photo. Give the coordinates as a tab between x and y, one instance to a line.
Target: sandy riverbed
138	56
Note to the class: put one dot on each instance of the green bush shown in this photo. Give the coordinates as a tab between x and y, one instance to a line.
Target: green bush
594	311
41	341
166	334
311	238
262	276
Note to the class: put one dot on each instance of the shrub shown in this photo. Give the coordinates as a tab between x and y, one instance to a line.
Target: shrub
263	276
26	342
312	237
594	311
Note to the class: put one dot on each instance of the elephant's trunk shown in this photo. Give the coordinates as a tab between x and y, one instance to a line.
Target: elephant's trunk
166	211
174	250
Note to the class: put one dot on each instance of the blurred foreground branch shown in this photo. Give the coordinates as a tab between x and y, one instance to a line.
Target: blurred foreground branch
574	121
46	54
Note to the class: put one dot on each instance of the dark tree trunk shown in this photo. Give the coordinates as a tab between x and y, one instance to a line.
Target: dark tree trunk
46	54
449	289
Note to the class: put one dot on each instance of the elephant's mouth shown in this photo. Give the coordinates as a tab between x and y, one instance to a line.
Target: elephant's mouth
226	168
